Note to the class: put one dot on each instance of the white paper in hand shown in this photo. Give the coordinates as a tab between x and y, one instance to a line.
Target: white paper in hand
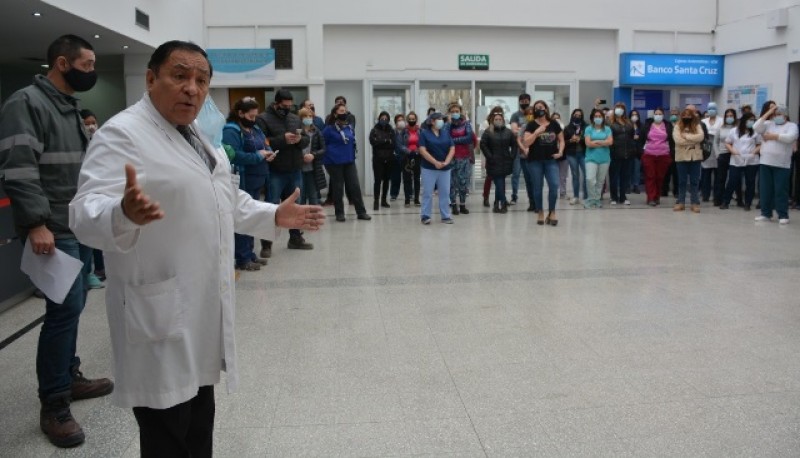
53	274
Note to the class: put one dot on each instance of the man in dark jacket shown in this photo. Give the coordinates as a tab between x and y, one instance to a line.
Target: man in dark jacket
42	145
285	134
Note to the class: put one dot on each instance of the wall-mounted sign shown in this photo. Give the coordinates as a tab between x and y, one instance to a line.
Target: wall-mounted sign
473	62
242	64
671	69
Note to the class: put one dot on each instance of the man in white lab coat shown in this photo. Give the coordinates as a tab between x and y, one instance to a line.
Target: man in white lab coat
161	203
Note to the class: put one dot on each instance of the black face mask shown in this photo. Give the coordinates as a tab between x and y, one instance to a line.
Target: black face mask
412	122
283	111
539	113
524	106
687	120
341	117
577	120
79	80
247	123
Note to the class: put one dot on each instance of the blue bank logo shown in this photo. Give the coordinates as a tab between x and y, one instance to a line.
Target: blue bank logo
637	69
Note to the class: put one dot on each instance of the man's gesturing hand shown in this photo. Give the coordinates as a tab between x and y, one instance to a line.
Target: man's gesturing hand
303	217
136	205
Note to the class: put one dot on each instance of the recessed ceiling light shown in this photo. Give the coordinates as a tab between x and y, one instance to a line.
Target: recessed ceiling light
37	14
124	46
45	66
96	36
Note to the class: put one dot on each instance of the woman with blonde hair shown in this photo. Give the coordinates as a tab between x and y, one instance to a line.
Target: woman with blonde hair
688	136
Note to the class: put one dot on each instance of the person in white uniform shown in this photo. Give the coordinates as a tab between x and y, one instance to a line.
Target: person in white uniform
161	202
778	136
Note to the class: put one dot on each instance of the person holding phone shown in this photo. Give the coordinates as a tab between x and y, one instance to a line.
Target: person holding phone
284	132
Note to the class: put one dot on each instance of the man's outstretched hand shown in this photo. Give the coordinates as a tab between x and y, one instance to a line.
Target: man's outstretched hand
303	217
136	205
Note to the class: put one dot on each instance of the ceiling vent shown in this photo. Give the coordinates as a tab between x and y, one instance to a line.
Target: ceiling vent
142	19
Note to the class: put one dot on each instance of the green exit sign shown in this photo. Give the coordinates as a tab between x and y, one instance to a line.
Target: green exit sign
473	62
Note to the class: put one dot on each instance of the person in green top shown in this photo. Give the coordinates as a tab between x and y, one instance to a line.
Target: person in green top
598	157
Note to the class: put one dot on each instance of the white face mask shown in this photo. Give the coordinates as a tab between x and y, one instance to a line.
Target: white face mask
91	128
439	123
634	118
401	125
619	111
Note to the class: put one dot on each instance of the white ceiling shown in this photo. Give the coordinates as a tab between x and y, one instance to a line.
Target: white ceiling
24	38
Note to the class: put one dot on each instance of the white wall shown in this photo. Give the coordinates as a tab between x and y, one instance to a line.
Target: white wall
428	53
169	19
763	66
508	13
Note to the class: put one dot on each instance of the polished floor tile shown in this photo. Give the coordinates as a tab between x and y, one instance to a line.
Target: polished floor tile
620	332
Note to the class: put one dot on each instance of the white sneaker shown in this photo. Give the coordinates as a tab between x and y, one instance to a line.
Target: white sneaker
627	202
613	202
761	218
573	201
783	221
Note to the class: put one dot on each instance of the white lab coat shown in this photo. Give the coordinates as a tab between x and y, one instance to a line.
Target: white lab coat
170	287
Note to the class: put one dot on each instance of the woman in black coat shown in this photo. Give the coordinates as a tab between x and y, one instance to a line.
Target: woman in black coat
382	138
496	146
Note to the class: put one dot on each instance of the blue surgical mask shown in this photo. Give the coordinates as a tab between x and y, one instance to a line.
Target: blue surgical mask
779	120
658	118
712	112
750	124
211	121
729	120
619	111
455	116
307	121
598	121
439	123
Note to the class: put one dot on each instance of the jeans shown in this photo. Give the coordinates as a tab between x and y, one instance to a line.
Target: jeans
186	429
563	171
774	190
517	168
55	354
595	177
619	178
707	178
244	245
282	185
688	173
396	177
541	171
441	180
310	194
636	173
459	180
577	166
499	189
735	180
526	173
345	177
656	168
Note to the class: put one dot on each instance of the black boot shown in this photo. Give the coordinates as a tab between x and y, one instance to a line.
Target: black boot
454	208
297	242
266	249
375	205
385	204
57	423
464	210
496	207
485	201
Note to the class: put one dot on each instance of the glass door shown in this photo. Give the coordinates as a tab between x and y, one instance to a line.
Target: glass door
558	95
394	97
490	94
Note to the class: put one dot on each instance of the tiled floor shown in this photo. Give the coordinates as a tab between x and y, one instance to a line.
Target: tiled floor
621	332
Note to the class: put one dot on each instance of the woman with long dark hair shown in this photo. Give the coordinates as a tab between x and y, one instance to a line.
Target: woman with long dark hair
252	154
575	151
622	152
544	142
743	145
340	162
